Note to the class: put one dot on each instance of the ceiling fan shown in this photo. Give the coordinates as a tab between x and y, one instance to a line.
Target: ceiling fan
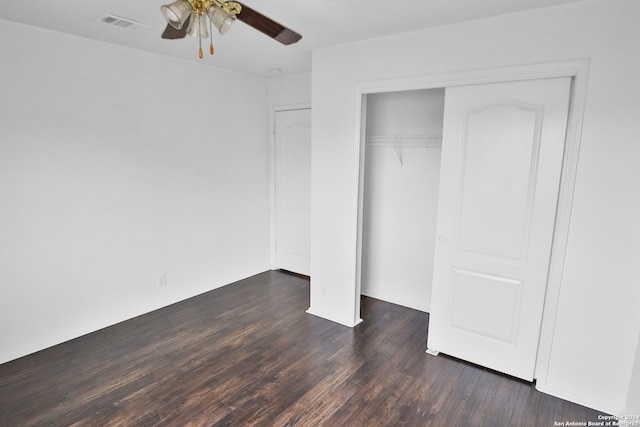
190	17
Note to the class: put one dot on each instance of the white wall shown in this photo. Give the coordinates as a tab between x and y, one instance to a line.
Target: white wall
598	320
118	166
290	90
401	195
633	396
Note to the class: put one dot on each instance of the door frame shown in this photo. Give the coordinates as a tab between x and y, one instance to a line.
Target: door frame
272	175
578	70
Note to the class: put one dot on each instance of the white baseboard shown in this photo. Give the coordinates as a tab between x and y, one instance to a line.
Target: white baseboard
332	319
389	298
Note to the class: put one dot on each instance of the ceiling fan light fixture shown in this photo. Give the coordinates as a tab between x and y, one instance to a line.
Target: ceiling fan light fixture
220	18
176	13
198	27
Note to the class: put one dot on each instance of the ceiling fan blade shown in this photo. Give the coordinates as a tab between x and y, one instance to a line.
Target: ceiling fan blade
171	33
267	26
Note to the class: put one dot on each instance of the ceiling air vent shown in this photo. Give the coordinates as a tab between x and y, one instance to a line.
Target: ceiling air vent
117	21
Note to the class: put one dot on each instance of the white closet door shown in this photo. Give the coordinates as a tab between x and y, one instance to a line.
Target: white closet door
293	190
501	161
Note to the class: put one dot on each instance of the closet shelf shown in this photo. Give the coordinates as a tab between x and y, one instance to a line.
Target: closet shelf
421	141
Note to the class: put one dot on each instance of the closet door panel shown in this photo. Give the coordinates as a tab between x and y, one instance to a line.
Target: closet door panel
501	162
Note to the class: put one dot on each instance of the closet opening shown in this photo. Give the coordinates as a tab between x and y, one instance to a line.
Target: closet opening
401	141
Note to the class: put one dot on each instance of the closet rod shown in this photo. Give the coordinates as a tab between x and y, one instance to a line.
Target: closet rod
398	142
426	141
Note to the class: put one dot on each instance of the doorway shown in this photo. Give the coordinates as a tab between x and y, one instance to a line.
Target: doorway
403	141
292	134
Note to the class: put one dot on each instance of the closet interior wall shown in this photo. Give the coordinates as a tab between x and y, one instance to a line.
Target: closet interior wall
403	140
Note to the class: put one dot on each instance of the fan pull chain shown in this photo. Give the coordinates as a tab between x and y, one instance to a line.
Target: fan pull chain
199	39
210	38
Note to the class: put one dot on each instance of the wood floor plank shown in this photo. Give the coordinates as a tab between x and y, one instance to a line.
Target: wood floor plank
503	402
549	410
439	388
247	354
572	412
475	411
526	405
451	411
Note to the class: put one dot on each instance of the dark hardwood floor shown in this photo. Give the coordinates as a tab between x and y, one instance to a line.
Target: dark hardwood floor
248	355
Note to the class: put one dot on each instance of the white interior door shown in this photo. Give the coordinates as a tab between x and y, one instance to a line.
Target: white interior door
293	190
501	161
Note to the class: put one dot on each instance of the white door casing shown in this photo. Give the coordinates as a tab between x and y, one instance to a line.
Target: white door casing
501	162
293	189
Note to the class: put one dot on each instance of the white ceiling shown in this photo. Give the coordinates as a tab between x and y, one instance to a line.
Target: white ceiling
243	49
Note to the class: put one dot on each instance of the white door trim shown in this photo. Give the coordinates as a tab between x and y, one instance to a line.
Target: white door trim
579	71
272	176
